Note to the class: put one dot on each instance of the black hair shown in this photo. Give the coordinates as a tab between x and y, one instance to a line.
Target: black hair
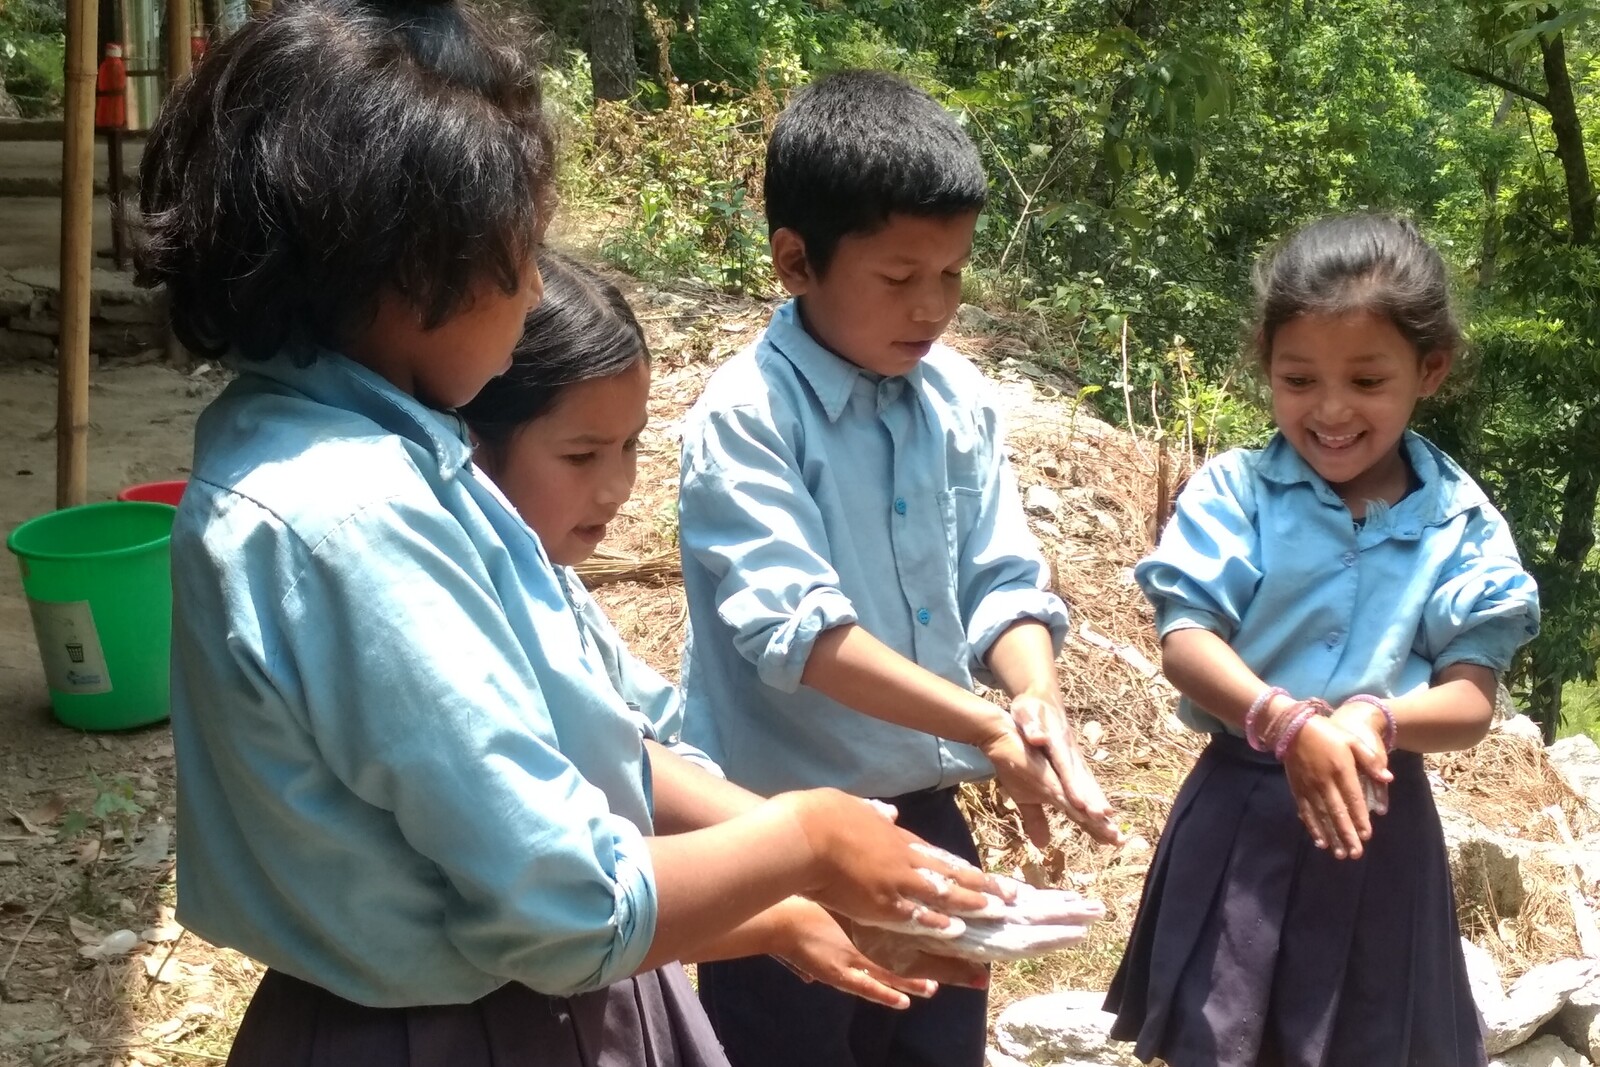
857	146
1375	263
333	151
583	329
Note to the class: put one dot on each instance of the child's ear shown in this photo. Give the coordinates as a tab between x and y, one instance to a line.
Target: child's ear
789	261
1435	368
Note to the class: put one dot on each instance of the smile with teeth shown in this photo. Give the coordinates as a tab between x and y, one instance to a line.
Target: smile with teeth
1335	441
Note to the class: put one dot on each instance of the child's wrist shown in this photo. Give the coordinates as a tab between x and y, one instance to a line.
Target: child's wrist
990	725
1380	717
1292	729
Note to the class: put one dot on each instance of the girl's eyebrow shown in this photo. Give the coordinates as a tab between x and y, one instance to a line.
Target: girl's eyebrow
602	439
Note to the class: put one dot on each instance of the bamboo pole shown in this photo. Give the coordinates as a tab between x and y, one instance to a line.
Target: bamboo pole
180	26
77	254
179	29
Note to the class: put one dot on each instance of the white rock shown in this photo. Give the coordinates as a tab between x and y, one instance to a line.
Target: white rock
1523	727
1546	1052
1483	975
1041	500
1533	1000
1577	760
1062	1030
1579	1022
995	1058
1485	866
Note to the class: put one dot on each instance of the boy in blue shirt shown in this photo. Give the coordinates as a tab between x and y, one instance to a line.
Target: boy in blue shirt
855	554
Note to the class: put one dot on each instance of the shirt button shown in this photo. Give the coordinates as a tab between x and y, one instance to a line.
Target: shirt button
924	616
1349	559
899	505
1333	638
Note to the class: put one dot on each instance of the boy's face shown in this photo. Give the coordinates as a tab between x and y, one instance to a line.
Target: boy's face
887	295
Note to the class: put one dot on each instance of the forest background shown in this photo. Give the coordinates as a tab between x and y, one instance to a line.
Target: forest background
1142	154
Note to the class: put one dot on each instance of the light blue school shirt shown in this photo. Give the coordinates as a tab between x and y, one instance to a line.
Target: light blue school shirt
1262	552
402	775
815	494
658	703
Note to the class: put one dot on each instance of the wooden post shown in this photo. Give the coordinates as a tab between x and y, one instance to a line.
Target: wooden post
179	28
77	255
180	25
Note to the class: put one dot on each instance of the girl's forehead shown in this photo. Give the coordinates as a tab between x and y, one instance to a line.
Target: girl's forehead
1352	337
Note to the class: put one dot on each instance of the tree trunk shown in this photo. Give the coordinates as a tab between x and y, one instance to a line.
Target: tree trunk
1575	539
612	65
1489	253
1568	132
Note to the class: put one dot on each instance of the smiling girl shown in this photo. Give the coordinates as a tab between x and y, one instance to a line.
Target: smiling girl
1330	607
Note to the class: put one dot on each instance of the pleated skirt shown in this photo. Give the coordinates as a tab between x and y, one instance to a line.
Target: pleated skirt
652	1020
1254	948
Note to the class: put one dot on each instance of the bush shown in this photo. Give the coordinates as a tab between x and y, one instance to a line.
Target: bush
32	55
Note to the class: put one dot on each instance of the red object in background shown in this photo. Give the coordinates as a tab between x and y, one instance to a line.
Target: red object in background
111	91
155	492
197	46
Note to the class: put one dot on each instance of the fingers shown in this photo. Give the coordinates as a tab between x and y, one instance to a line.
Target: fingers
1344	839
1036	824
951	970
1311	819
1373	763
1349	789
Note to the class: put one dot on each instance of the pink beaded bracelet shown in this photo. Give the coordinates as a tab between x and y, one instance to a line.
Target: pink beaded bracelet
1390	728
1308	710
1253	716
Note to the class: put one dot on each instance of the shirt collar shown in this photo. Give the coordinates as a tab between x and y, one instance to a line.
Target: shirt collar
1446	489
340	382
830	376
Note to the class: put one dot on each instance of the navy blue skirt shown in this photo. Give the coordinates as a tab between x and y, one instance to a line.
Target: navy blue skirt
1254	948
650	1020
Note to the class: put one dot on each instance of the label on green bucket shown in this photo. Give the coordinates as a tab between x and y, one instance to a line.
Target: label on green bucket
70	646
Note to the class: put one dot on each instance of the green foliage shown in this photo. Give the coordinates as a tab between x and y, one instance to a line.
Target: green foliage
681	179
32	44
1580	710
1143	155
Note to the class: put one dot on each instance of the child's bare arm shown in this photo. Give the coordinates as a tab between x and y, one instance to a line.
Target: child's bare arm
688	797
1022	659
1451	714
839	850
851	666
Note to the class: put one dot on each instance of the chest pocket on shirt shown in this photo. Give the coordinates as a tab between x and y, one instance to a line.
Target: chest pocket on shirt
961	508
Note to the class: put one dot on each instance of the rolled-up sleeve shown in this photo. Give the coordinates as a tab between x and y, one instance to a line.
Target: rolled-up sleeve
426	706
760	535
1485	605
1002	576
1206	569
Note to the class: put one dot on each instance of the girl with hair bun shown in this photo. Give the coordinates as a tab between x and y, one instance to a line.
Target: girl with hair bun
407	784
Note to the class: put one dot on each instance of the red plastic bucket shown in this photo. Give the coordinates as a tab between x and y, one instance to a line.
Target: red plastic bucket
155	492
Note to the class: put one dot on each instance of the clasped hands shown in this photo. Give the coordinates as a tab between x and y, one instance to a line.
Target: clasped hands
1338	770
1037	761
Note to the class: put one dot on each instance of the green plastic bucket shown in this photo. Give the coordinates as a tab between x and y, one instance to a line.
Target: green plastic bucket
98	579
